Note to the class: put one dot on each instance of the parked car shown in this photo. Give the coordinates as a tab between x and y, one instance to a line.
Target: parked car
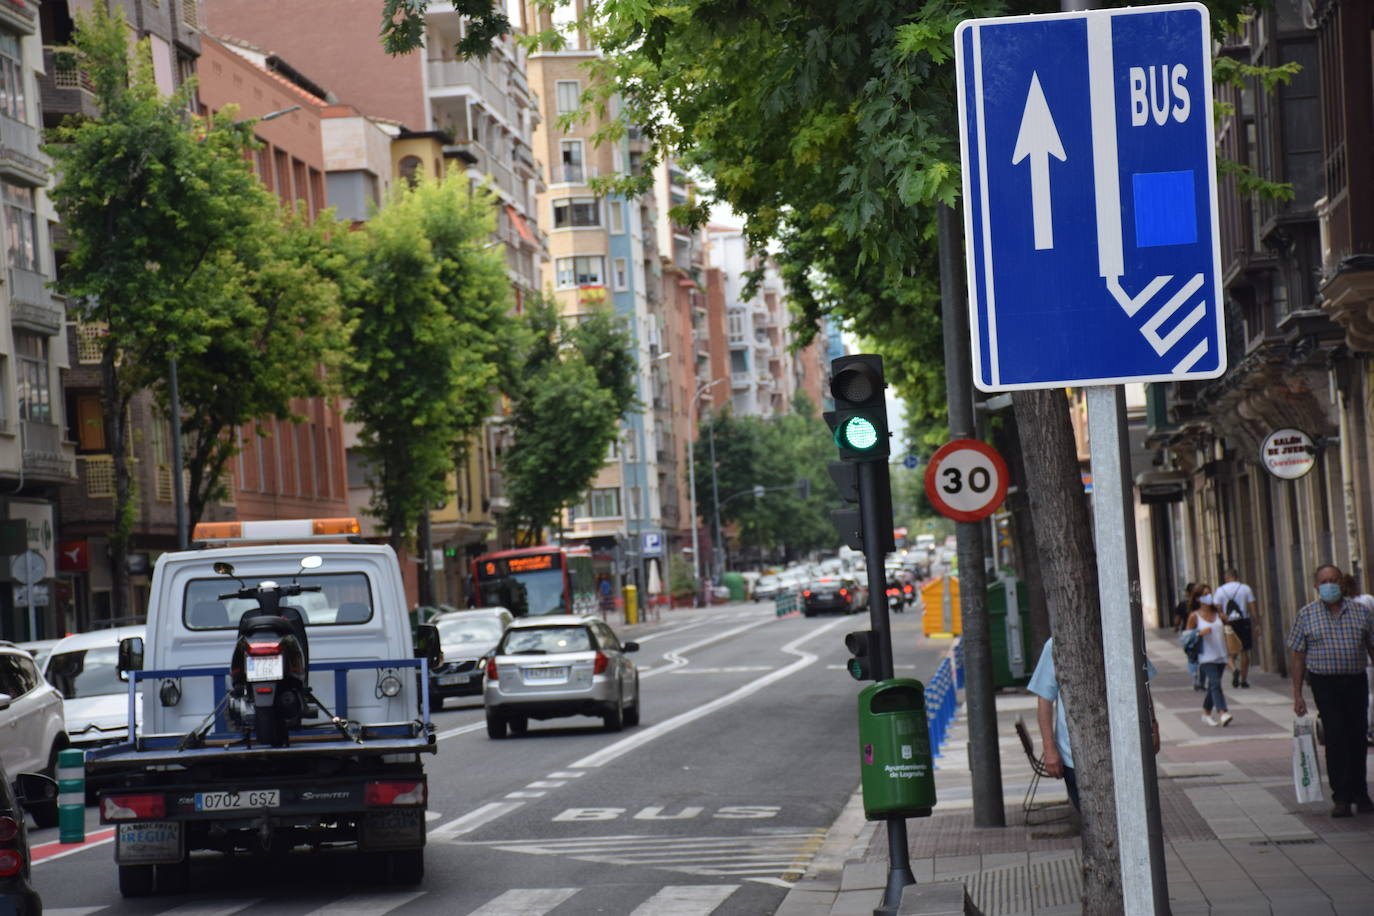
30	723
768	588
560	665
35	793
833	593
467	637
95	697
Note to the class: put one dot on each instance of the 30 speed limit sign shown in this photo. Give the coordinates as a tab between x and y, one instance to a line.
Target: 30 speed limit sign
966	480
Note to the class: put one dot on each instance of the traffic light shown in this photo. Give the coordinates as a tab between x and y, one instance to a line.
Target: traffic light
847	521
860	415
860	645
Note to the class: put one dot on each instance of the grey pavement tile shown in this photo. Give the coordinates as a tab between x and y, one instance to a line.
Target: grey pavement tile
1188	908
957	865
856	903
1071	909
1248	906
1353	908
1319	870
1309	907
806	903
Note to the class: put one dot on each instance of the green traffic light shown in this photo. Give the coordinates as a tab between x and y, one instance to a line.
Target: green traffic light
860	433
856	668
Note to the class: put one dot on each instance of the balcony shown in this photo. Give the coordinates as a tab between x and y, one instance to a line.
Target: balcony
20	156
741	380
20	16
31	304
63	88
462	77
97	472
44	453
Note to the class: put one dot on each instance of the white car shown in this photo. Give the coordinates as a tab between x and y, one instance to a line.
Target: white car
31	729
95	697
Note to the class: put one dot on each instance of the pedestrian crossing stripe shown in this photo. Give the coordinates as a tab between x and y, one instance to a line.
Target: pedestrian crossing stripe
671	900
782	855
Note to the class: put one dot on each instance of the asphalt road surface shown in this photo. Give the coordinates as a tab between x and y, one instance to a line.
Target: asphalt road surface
716	803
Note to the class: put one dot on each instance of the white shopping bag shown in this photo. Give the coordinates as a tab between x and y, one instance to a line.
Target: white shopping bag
1307	777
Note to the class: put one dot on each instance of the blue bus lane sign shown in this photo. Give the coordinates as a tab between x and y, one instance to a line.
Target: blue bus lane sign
1090	214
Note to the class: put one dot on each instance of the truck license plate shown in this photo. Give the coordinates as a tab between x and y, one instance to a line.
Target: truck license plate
246	799
150	843
448	680
264	668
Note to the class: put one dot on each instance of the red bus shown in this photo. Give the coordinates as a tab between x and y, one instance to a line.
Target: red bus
530	581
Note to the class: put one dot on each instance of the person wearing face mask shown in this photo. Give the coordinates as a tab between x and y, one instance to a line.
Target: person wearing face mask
1330	641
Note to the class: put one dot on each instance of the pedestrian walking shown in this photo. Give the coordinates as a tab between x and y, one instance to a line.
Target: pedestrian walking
1181	608
1236	601
1331	640
1052	718
1196	592
1211	659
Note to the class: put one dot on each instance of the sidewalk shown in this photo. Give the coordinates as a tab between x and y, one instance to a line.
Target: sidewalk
1235	839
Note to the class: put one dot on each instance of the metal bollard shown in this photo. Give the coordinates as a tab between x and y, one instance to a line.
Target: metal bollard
71	796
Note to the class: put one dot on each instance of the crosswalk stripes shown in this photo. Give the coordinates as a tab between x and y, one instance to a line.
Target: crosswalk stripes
771	855
671	900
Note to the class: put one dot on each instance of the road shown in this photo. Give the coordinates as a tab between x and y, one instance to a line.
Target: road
716	803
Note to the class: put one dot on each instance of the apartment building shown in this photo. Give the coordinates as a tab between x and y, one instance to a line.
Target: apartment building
70	429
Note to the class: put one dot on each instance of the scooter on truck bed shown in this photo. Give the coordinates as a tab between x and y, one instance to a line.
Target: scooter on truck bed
311	735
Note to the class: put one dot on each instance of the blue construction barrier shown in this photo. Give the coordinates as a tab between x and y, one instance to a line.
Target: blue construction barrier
942	696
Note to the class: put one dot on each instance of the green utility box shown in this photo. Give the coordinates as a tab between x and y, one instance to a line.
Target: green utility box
1009	631
898	777
735	583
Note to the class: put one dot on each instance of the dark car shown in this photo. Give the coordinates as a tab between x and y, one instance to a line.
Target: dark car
467	637
30	790
833	594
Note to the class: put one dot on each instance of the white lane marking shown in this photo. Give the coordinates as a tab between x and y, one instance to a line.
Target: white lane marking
472	820
72	910
737	669
526	794
565	774
675	659
460	730
547	784
525	902
367	904
685	900
89	844
211	909
432	816
644	736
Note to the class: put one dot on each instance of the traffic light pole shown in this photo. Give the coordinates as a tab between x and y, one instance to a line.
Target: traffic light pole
871	492
985	761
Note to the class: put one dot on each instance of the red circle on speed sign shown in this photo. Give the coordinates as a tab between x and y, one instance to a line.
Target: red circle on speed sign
966	480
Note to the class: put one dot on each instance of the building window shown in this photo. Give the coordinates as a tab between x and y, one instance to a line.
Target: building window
21	227
568	95
572	160
411	168
12	78
603	503
581	271
31	376
617	217
576	212
90	423
622	274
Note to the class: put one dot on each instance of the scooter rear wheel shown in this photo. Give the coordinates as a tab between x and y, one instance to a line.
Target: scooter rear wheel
269	728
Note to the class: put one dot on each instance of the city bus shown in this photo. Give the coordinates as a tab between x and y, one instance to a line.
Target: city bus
529	581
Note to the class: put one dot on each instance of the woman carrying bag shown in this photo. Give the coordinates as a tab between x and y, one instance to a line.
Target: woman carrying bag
1211	629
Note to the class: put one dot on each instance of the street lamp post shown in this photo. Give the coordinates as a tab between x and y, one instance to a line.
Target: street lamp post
694	414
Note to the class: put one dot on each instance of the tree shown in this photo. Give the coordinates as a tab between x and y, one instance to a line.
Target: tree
286	338
155	205
576	382
427	346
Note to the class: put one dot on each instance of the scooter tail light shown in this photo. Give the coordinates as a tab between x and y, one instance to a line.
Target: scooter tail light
492	674
264	648
132	807
601	664
383	794
11	863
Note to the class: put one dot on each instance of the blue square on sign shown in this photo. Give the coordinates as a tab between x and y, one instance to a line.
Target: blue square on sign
1165	209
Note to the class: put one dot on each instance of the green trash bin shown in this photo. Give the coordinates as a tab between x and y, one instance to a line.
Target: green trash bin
898	777
735	583
1009	632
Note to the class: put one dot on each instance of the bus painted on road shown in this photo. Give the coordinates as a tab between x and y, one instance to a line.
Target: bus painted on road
530	581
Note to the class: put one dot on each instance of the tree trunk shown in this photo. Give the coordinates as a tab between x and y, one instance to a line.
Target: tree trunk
117	430
1068	564
1008	442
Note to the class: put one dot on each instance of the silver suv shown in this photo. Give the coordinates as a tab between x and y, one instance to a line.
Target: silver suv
31	724
560	665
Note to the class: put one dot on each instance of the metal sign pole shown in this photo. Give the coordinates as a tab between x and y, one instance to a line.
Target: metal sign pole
1143	880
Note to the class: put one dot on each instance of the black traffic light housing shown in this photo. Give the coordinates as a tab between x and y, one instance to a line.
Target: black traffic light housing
862	646
860	415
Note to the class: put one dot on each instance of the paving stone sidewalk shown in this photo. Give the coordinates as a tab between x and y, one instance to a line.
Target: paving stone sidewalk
1236	841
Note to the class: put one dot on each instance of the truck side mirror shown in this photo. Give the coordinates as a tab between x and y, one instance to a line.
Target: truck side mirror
427	644
34	789
130	655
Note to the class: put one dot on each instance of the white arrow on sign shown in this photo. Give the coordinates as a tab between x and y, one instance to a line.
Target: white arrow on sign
1039	140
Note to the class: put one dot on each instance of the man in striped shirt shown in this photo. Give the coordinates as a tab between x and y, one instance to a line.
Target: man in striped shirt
1331	638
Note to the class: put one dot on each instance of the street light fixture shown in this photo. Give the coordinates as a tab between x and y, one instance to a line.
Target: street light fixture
692	415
